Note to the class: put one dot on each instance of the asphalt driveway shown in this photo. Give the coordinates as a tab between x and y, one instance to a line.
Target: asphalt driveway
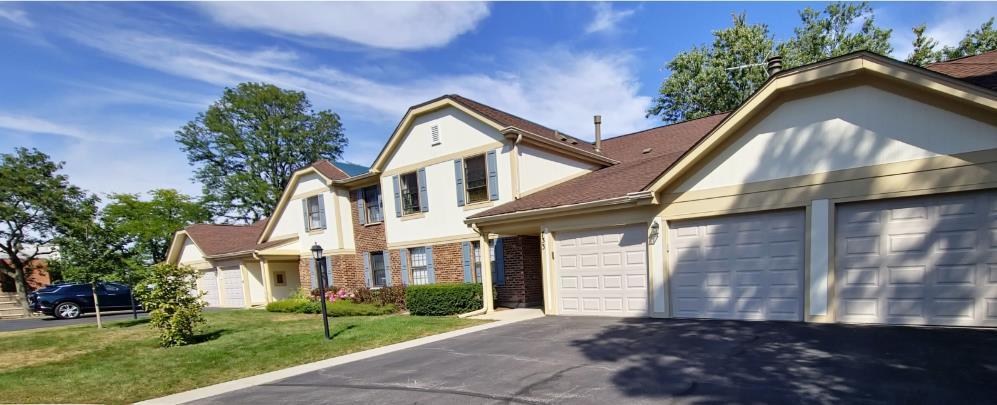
609	361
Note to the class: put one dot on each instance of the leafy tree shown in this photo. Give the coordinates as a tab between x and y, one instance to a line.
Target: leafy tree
983	39
829	33
924	48
37	203
710	79
706	79
173	310
152	223
248	143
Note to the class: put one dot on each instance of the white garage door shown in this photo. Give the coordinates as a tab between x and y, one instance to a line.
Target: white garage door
927	260
738	267
208	283
602	272
232	283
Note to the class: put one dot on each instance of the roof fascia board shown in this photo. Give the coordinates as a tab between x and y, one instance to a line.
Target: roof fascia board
285	198
561	149
626	201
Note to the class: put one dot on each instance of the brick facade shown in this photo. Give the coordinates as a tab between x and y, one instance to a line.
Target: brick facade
35	276
523	280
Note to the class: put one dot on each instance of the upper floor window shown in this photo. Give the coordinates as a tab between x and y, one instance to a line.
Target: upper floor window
409	193
476	179
314	213
369	205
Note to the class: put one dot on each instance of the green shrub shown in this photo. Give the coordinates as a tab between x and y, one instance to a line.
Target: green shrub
337	308
443	299
173	310
394	295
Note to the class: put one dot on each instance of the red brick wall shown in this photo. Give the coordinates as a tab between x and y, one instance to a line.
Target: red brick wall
448	262
523	280
304	274
36	276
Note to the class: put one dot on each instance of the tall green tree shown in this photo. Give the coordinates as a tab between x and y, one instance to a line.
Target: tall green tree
37	204
715	78
247	144
151	223
924	48
831	32
983	39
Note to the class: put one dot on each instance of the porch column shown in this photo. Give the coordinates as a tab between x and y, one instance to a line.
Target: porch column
486	272
265	269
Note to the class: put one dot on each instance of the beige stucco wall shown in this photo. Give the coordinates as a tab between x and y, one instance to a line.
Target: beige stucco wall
853	127
339	228
257	291
539	169
191	255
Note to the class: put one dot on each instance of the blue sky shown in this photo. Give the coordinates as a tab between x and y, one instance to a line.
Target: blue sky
103	86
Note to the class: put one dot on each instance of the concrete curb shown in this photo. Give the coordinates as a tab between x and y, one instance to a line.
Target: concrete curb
229	386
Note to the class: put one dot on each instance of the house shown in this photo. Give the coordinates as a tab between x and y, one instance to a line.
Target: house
38	276
858	189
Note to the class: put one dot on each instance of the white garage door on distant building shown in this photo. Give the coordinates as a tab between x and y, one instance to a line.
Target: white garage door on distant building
208	284
925	260
232	285
738	267
602	272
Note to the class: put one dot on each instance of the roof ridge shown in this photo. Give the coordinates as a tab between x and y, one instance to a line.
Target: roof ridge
664	126
459	97
960	58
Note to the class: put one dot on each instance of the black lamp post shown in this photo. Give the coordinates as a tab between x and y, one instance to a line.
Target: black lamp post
320	268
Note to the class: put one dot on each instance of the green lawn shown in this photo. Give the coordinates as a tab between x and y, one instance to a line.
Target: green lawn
123	363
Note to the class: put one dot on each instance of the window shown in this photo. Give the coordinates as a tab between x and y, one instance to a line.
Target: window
372	204
476	259
111	288
476	179
435	135
409	192
314	212
378	272
279	279
419	266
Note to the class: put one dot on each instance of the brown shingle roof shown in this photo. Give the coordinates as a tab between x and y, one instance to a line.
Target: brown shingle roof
980	70
223	239
328	169
637	170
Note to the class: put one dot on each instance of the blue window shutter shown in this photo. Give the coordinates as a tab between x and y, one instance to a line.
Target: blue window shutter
429	265
458	169
466	255
499	270
403	253
398	196
361	212
321	211
385	261
328	271
493	188
380	205
313	273
423	193
304	213
368	278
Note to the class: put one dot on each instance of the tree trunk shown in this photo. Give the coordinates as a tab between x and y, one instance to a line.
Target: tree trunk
21	287
96	304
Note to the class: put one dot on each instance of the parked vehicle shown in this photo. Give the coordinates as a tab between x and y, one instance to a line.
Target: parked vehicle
72	300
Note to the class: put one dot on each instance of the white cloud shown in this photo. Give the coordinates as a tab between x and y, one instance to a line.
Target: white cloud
949	25
398	26
16	16
606	18
35	125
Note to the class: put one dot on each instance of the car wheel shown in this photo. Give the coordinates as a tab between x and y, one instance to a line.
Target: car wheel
67	310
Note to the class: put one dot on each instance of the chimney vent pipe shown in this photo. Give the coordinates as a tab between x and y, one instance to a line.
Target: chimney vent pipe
598	132
774	65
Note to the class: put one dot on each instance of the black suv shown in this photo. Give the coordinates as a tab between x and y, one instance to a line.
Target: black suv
71	300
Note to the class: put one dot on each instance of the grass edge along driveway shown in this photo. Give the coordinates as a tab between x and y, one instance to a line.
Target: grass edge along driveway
123	363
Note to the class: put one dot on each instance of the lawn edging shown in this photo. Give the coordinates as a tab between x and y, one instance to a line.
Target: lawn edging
265	378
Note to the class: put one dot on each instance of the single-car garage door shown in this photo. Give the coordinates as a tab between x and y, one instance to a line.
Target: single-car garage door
925	260
208	284
602	272
232	283
738	267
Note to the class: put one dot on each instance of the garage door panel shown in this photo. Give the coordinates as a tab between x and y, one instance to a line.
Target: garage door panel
753	270
924	260
602	272
208	284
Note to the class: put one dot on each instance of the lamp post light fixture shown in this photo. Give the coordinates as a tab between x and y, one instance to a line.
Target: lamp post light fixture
320	269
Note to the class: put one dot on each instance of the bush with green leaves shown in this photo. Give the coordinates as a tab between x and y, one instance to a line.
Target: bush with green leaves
165	291
394	295
443	299
337	308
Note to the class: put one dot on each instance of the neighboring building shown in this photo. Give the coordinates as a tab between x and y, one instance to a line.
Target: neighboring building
38	276
858	189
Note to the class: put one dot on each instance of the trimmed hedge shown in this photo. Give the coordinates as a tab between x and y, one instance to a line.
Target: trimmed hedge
394	295
337	308
443	299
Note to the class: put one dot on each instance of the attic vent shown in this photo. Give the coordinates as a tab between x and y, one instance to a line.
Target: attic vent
646	151
436	134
